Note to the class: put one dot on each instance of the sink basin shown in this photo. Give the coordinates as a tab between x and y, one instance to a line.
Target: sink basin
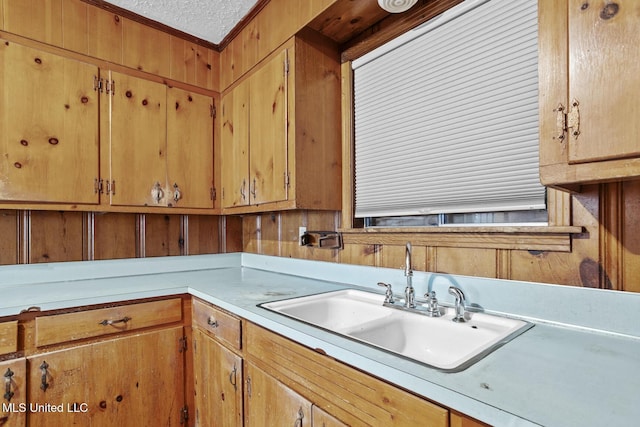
435	341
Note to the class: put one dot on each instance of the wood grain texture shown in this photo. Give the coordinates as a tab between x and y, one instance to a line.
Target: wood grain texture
9	244
19	390
163	236
129	392
105	39
355	398
48	127
55	236
8	337
35	19
145	48
114	236
62	328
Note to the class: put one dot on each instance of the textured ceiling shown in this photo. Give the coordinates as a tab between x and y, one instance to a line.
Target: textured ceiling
210	20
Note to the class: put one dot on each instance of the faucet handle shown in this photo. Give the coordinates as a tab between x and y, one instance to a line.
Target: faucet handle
433	310
388	295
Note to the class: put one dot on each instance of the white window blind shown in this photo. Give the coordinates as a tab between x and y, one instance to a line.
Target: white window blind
446	116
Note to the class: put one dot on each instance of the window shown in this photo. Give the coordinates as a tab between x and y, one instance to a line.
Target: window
446	121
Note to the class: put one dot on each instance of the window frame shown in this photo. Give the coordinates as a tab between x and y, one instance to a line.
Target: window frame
555	236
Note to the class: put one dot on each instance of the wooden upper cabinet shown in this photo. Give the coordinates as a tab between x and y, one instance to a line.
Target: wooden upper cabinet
254	137
48	127
138	142
190	148
268	141
235	146
161	145
588	78
281	134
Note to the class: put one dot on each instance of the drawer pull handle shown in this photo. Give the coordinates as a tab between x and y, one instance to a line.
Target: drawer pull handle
8	377
44	385
106	322
211	321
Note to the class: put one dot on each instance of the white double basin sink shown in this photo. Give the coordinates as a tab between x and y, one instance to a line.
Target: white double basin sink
435	341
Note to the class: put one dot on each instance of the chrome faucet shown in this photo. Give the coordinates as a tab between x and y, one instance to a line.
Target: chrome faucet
409	292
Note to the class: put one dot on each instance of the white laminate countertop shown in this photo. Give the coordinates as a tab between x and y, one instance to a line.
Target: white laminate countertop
578	366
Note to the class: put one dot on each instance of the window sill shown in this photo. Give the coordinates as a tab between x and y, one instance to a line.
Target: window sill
533	238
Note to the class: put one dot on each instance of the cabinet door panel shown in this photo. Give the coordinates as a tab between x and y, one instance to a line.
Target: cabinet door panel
131	381
235	146
324	419
268	124
13	409
190	147
138	140
603	76
270	403
48	127
218	383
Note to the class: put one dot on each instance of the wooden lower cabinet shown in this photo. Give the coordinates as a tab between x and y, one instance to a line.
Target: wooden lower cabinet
348	395
218	383
321	418
137	380
270	403
14	400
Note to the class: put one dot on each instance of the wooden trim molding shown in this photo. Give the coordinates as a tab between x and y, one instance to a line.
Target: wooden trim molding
556	239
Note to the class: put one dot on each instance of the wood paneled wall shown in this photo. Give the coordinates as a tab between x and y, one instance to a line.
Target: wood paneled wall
606	255
51	236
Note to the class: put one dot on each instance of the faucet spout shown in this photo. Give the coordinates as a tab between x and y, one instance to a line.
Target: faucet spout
409	292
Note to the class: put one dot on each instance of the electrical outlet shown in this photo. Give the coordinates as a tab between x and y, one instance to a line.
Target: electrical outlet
301	232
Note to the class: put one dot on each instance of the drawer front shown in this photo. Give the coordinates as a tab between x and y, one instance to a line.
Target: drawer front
218	323
105	321
8	337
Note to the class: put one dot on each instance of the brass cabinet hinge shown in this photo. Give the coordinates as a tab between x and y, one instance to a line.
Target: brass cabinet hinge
184	415
98	186
567	119
212	109
97	84
213	193
287	179
111	188
286	66
182	344
110	87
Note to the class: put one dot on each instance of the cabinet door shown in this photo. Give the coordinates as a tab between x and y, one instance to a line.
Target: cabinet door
138	144
604	78
48	127
268	131
13	374
190	148
235	146
131	381
271	403
218	383
324	419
